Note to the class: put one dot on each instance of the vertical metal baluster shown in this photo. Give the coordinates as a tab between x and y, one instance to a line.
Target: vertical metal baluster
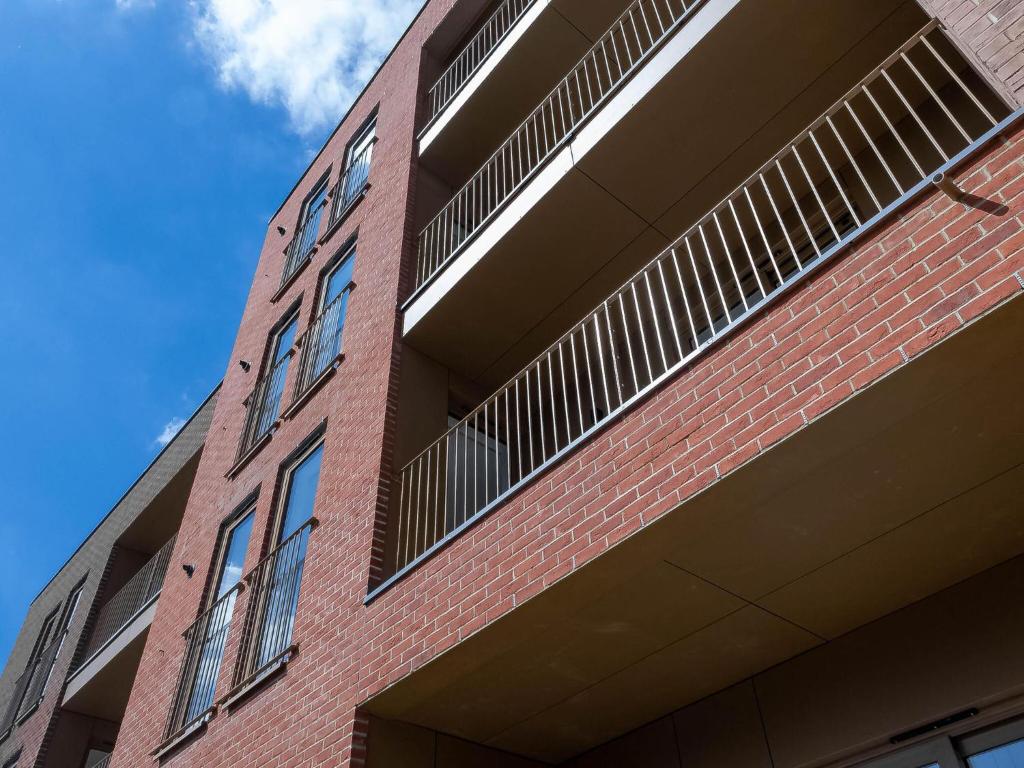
487	463
401	514
629	343
714	272
913	113
508	443
893	131
590	368
956	77
529	419
781	222
686	300
728	258
874	148
746	247
476	462
935	96
671	312
519	432
654	317
835	180
640	326
540	415
576	377
814	191
712	331
614	357
565	391
853	163
796	206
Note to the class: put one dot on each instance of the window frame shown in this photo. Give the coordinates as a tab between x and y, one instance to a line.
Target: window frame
366	132
287	471
322	186
345	253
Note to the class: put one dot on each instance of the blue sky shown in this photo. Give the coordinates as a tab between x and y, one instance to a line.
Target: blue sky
144	144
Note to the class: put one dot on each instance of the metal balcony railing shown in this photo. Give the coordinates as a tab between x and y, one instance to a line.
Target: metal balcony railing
31	686
263	405
135	595
320	345
922	111
615	56
205	641
351	185
273	599
474	55
104	762
301	246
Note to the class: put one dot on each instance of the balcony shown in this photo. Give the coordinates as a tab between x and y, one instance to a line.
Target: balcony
591	204
502	67
99	686
915	116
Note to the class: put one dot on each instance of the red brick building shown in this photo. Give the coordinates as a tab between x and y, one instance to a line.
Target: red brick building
624	384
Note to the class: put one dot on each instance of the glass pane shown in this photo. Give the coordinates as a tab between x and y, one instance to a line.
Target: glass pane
314	203
298	505
285	340
1007	756
234	556
362	143
216	631
338	281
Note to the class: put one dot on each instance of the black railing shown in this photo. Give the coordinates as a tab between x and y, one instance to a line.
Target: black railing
301	246
352	184
205	641
273	598
119	611
320	345
263	406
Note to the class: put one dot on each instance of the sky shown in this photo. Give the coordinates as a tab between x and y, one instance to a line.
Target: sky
144	145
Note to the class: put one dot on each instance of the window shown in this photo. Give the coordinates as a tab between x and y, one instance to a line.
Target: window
284	566
96	757
309	219
70	609
325	336
357	166
1001	746
267	403
213	625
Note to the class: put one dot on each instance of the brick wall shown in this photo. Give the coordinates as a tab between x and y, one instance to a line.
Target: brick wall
992	31
924	274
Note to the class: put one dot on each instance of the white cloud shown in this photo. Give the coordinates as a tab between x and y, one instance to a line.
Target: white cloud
310	56
171	428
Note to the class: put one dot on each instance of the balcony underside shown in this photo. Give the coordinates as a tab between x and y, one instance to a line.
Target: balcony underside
904	490
706	110
546	42
100	688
